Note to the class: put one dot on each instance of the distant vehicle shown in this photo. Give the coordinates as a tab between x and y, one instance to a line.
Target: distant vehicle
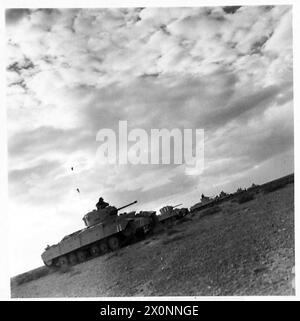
170	213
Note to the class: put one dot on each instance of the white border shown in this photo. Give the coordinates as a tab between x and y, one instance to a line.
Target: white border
4	275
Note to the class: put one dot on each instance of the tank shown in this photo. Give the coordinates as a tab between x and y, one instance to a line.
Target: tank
105	230
170	213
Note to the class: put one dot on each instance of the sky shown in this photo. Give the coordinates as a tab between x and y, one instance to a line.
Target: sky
72	72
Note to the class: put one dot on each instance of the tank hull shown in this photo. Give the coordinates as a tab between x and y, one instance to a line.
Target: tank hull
93	235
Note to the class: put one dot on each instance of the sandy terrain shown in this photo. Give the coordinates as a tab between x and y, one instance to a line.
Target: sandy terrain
245	249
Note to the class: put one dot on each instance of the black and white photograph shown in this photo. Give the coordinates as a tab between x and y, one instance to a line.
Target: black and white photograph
150	151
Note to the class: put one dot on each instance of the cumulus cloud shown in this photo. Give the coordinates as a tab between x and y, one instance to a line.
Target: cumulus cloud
71	72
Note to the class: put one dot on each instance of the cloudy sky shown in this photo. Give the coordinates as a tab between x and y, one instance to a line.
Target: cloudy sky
73	72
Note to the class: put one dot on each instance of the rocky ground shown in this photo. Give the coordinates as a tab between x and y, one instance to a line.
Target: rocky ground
244	249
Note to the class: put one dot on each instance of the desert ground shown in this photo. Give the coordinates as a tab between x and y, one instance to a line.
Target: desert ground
241	249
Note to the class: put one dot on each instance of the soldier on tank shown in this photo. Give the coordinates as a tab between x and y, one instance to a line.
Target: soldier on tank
101	204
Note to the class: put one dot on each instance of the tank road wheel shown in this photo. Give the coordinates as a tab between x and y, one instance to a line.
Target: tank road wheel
103	247
48	263
72	259
63	262
113	243
81	256
94	250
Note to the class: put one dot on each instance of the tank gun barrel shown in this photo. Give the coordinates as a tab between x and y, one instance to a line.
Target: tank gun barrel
120	208
177	205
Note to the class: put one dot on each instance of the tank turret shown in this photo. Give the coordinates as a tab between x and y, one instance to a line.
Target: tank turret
106	214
